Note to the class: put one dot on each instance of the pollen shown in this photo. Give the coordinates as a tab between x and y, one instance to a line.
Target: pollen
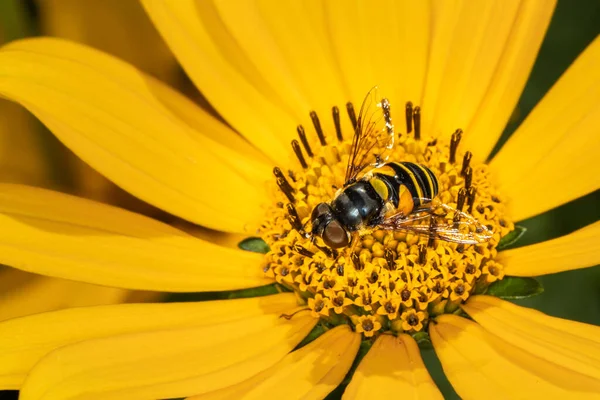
385	280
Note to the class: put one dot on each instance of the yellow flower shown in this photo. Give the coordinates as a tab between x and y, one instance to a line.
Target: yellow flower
463	64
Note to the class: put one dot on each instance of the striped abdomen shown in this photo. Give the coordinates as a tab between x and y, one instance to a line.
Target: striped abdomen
405	185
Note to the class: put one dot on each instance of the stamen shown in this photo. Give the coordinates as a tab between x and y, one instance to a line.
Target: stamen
303	251
468	177
302	136
294	218
317	125
284	185
336	121
417	122
466	162
409	117
422	254
456	136
298	152
389	258
471	192
385	105
356	261
352	115
432	225
460	201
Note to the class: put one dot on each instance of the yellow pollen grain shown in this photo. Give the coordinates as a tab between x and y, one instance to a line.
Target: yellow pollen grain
390	280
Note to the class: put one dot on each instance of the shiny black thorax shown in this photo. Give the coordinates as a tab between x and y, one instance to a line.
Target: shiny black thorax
358	205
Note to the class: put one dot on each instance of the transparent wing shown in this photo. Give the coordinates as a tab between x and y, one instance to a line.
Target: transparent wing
451	226
373	135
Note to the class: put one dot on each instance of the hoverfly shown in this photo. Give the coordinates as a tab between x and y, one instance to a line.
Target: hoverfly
394	195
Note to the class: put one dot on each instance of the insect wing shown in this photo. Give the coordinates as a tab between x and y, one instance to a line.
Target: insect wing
373	135
463	228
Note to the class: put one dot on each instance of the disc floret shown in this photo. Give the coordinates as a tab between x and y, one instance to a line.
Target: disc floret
389	280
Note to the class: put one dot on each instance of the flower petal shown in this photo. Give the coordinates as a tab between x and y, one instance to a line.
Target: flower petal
571	345
509	77
308	373
385	45
24	341
470	46
39	294
54	234
556	145
478	364
392	365
100	107
219	67
579	249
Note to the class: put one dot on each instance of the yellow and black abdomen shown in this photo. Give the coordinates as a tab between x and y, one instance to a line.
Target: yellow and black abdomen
409	185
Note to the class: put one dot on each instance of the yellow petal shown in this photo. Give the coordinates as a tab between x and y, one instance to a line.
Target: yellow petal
509	77
100	108
87	22
41	294
54	234
285	57
24	341
579	249
478	364
392	366
468	46
308	373
217	64
166	364
552	158
571	345
385	45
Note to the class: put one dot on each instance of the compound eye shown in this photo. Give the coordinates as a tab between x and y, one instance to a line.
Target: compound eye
320	209
335	236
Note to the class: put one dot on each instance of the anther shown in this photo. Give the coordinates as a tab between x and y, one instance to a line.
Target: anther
422	254
468	177
317	125
385	105
417	122
302	136
356	261
302	250
352	115
284	185
298	152
336	121
294	218
456	136
471	193
409	116
460	201
466	161
432	225
389	258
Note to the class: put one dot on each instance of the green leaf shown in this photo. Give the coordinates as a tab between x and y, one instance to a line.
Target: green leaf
317	331
254	244
253	292
423	340
514	287
512	237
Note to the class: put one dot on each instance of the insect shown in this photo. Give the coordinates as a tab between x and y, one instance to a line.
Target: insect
394	195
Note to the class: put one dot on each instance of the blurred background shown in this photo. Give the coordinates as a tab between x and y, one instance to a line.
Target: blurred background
29	154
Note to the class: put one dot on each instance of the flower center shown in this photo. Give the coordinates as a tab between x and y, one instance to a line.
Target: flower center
387	280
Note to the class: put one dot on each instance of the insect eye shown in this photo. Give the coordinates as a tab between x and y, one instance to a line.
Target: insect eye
335	236
319	210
